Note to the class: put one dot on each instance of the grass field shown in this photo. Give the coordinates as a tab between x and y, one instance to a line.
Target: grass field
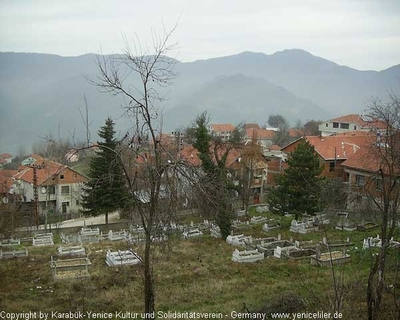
197	275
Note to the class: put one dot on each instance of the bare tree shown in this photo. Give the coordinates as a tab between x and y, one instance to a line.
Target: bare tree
151	176
383	189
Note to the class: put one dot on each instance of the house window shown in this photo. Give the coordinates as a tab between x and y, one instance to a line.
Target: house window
52	189
65	190
344	126
64	206
75	175
355	128
61	176
326	125
332	166
360	180
336	124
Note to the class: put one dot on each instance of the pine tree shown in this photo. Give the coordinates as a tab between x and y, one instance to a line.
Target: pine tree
213	163
299	187
106	191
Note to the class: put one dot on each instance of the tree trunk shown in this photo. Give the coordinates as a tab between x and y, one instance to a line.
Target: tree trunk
148	278
106	215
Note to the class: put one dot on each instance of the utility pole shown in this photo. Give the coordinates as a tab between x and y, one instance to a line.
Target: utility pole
35	192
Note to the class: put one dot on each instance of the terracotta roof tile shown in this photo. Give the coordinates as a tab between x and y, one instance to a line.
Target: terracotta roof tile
342	146
222	127
49	170
260	133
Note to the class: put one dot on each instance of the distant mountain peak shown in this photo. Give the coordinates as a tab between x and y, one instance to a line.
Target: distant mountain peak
293	51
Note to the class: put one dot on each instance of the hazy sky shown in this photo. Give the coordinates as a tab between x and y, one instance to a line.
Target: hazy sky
363	34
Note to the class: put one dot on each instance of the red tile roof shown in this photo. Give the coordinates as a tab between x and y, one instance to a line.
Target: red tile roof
260	133
275	147
342	145
5	184
49	170
294	133
222	127
8	173
369	159
5	156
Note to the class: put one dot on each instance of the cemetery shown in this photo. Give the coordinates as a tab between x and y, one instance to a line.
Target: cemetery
201	267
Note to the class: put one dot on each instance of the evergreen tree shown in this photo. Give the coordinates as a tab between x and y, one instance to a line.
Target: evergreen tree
106	191
299	187
217	199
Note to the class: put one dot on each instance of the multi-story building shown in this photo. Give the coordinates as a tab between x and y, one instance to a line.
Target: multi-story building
56	187
351	122
224	131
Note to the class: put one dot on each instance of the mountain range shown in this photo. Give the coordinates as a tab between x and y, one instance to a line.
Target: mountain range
41	94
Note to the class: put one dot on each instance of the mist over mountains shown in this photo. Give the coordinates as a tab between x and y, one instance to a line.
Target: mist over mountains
40	94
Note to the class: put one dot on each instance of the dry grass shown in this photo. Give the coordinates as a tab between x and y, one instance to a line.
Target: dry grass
195	275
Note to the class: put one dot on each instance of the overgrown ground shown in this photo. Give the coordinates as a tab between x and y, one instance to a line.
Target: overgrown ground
197	275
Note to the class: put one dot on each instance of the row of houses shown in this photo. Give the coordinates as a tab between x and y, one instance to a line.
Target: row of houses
57	188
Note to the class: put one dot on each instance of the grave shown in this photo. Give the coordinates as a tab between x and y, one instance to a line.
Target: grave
215	231
268	226
240	213
258	219
122	258
367	226
261	209
70	268
71	251
302	227
269	247
10	242
192	233
238	240
346	226
247	256
299	254
279	251
137	229
13	254
117	235
43	239
337	243
321	219
253	243
328	258
238	225
371	242
88	235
